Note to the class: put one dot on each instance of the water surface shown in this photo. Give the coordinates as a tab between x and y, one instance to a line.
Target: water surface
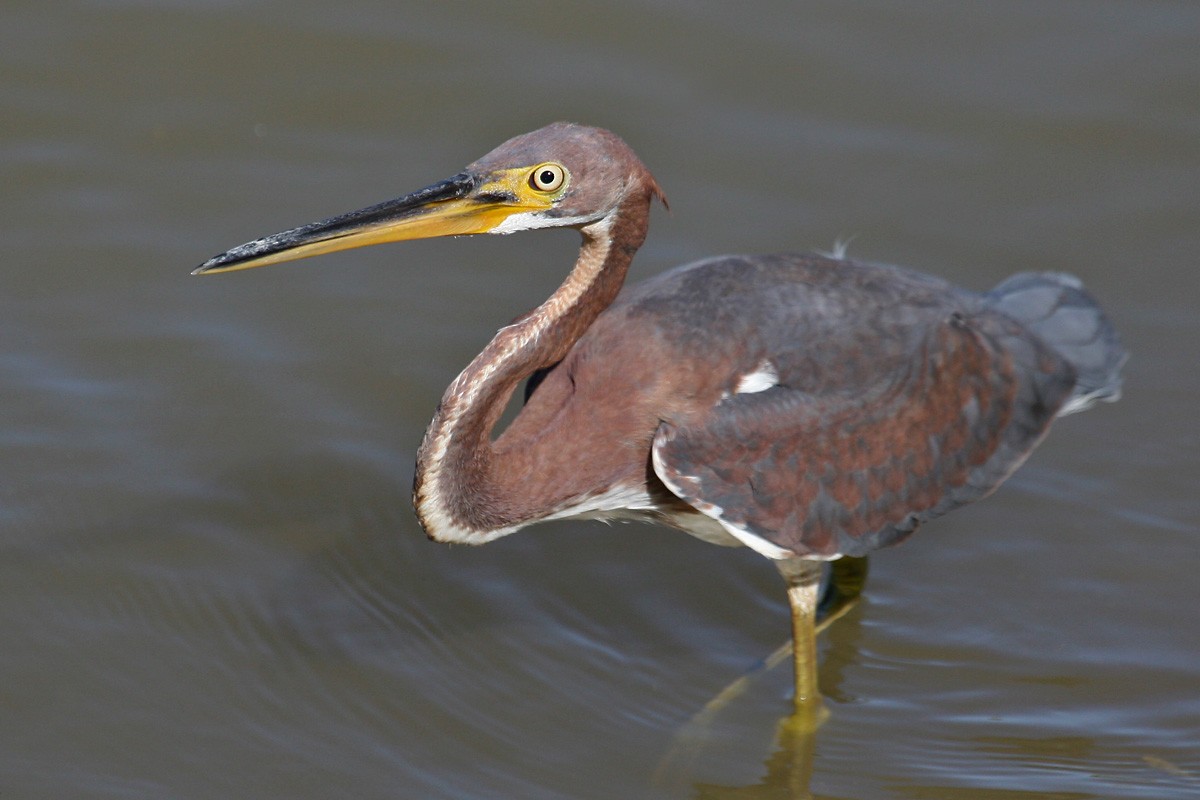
212	583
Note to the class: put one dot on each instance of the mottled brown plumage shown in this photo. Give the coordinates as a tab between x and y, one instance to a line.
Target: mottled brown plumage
808	406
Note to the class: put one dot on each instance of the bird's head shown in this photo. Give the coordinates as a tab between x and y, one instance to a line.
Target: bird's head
563	175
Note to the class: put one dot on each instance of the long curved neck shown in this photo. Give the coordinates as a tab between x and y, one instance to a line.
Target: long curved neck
455	491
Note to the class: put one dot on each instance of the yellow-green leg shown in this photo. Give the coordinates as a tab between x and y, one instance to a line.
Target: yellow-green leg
847	577
804	586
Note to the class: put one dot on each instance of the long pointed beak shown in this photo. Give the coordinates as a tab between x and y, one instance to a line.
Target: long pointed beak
443	209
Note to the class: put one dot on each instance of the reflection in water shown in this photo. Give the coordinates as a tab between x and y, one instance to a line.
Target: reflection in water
790	767
208	554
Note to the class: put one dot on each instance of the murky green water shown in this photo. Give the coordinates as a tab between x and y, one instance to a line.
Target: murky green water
211	582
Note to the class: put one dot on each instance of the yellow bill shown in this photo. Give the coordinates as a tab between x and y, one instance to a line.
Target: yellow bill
463	204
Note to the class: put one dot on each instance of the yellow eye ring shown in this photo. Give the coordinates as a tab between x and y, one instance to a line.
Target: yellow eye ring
548	177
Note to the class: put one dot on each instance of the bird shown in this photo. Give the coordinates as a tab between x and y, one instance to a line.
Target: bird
809	406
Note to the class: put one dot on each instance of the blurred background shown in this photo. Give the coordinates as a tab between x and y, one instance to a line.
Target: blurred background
211	580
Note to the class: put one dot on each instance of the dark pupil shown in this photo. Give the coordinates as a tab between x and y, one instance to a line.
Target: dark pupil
546	177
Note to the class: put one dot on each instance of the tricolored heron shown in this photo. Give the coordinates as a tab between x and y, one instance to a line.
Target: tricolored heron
808	407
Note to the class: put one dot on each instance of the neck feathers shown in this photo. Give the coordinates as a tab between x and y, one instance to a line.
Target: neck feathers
457	493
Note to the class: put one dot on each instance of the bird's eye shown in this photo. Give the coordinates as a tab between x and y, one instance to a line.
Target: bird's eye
548	177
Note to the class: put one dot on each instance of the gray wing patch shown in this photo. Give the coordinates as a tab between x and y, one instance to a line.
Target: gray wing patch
820	476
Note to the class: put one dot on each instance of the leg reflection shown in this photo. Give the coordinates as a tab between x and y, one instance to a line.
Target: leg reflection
792	759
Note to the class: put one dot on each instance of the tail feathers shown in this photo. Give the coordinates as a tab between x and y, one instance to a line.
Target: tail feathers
1057	308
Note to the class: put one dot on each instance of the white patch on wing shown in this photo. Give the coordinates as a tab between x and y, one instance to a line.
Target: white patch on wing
764	377
672	480
759	544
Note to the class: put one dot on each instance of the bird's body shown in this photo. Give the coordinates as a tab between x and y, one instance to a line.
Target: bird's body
803	405
809	407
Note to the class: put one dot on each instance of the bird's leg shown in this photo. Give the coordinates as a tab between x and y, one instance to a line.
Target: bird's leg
847	576
804	583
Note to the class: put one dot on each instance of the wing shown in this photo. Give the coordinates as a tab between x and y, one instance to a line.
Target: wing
912	400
